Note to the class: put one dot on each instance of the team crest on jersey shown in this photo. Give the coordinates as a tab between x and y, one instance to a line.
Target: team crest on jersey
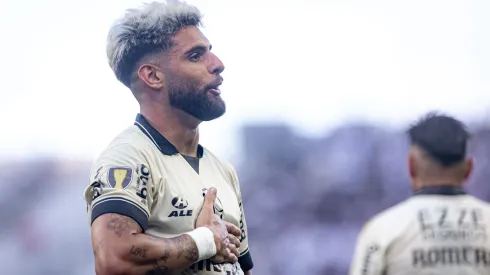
120	177
218	206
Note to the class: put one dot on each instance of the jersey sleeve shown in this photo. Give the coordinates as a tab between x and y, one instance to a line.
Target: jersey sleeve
245	259
369	255
121	183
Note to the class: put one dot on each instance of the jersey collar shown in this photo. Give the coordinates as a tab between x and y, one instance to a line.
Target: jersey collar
441	190
160	141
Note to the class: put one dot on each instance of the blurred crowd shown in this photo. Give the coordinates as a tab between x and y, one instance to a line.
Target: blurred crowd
305	200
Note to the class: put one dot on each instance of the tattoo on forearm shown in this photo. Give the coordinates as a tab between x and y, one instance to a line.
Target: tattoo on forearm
173	249
120	224
159	270
180	246
183	245
168	250
191	253
138	252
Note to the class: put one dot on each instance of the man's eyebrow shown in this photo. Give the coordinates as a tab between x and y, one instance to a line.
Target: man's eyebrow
198	48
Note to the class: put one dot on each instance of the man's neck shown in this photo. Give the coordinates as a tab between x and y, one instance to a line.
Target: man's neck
436	182
179	128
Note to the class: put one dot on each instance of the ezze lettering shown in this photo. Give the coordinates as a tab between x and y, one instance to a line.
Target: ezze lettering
445	224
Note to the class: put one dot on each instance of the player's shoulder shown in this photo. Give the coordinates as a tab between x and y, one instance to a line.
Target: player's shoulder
390	216
130	140
131	135
462	199
130	148
476	200
471	200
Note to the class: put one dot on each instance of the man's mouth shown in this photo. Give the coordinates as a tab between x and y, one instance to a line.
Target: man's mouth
214	91
214	87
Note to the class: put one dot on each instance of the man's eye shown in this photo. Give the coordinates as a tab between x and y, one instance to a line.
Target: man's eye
195	57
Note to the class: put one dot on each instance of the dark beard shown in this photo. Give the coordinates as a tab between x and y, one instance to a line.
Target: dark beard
195	102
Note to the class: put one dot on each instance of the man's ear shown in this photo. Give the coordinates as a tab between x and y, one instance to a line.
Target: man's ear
151	76
411	164
469	167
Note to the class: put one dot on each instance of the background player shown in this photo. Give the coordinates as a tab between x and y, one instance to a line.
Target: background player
441	229
145	197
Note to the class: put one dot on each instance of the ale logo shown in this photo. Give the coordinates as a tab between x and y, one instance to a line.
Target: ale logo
181	204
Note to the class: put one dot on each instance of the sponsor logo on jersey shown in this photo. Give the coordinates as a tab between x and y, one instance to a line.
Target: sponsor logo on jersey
180	202
96	186
243	234
97	174
370	251
450	224
96	190
120	177
143	173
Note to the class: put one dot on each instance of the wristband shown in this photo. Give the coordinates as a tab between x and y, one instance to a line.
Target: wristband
204	239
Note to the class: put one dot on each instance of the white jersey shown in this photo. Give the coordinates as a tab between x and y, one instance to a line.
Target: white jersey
438	231
142	175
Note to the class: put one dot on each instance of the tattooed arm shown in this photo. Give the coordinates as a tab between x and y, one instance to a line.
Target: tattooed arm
121	248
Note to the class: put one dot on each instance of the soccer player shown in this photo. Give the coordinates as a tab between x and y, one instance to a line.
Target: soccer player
159	202
440	229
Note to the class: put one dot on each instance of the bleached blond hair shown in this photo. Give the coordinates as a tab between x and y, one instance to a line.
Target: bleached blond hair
146	30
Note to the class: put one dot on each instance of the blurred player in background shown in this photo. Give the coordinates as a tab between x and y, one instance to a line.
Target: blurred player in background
158	202
440	229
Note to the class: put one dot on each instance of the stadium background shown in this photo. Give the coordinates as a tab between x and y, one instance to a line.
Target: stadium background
318	92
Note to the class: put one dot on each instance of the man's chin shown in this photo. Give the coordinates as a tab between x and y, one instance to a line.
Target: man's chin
204	111
210	116
214	109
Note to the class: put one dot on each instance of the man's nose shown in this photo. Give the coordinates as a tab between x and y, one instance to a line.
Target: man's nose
216	66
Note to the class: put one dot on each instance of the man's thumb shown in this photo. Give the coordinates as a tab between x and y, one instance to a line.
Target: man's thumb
210	198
